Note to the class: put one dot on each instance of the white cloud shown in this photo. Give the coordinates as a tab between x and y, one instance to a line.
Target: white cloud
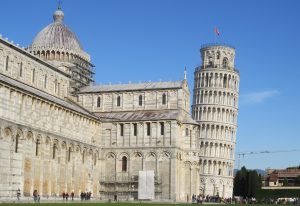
258	97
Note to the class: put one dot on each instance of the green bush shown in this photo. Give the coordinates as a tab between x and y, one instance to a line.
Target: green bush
277	193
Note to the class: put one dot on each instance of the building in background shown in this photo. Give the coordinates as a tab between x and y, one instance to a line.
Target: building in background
59	133
289	177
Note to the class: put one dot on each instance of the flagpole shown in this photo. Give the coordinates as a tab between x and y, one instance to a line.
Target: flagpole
215	38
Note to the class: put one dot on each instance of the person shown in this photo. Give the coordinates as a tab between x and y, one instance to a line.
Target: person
18	193
67	196
72	195
35	195
64	196
38	198
81	196
115	198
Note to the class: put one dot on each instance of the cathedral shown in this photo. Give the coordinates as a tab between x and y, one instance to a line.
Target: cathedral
61	132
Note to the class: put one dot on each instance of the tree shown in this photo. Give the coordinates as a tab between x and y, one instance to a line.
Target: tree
297	181
285	182
246	183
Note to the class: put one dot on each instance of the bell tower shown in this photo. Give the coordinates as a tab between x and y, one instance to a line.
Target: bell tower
215	108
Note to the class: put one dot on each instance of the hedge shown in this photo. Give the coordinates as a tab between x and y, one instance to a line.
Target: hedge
277	193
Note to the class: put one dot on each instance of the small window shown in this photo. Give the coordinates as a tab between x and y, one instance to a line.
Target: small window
37	144
55	85
134	129
186	132
17	143
54	151
124	164
121	129
118	101
225	62
164	98
83	157
69	154
6	63
140	100
162	128
98	101
21	69
58	88
95	159
210	61
218	55
33	75
45	81
148	129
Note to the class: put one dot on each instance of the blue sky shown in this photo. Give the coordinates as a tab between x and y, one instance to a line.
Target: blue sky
154	40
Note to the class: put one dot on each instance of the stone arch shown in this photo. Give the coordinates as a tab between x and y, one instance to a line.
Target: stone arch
122	154
165	155
110	155
8	134
137	162
110	165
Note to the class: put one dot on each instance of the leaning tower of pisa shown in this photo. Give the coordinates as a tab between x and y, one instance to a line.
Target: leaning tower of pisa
215	108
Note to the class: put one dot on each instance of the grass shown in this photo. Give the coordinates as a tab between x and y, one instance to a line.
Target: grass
120	204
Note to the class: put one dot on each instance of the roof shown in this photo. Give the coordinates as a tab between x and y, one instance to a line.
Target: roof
132	87
45	95
153	115
57	36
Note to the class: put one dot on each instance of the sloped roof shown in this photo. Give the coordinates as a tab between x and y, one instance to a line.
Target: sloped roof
44	95
153	115
132	87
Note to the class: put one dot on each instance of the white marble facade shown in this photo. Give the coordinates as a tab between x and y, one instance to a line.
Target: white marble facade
97	139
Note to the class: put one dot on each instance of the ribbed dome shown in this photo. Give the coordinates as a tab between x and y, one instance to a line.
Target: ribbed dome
57	36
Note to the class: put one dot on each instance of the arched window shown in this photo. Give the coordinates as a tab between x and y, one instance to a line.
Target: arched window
33	75
45	81
186	132
121	130
95	159
210	61
124	164
162	128
37	144
17	143
218	55
134	129
69	154
55	85
54	151
140	100
224	84
6	63
118	101
98	101
164	98
148	129
225	62
21	69
83	157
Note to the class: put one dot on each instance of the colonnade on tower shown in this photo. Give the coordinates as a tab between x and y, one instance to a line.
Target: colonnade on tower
215	108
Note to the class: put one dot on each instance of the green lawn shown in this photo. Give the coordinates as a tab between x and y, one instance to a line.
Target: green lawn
120	204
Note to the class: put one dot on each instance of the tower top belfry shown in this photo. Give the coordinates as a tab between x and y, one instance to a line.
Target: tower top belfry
217	56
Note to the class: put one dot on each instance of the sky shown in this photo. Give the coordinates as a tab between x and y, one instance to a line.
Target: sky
134	40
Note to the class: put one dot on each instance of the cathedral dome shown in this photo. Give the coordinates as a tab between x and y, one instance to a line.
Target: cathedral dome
57	37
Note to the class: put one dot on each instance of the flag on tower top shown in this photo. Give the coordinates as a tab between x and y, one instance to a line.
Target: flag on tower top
217	31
